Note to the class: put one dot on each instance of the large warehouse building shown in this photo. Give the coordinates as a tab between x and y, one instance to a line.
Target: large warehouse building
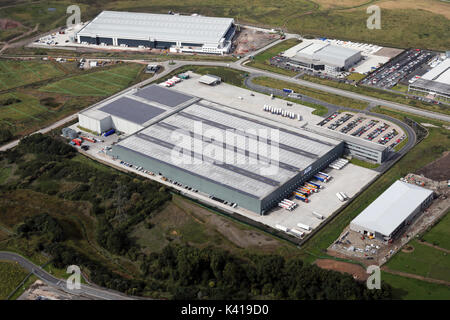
395	208
249	169
435	82
161	31
320	55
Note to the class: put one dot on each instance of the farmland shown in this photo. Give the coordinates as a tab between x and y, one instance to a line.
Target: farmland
43	100
102	83
17	73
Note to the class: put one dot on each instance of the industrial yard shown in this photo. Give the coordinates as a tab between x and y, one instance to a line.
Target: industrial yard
223	106
375	250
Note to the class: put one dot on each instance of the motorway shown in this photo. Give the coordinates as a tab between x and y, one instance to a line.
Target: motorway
86	290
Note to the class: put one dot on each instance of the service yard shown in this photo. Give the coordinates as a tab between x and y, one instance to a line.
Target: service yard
350	180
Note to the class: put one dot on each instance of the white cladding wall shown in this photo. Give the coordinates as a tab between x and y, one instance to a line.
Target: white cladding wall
125	126
95	124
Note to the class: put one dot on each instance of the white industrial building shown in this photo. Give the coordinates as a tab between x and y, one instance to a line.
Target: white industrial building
179	33
320	55
133	110
436	81
391	211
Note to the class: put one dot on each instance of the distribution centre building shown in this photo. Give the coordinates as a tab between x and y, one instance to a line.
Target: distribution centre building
435	82
319	55
161	31
231	155
395	208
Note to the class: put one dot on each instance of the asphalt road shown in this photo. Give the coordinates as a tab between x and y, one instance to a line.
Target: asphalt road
86	290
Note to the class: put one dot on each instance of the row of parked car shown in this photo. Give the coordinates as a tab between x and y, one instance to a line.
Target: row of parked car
328	119
377	132
352	124
388	136
360	131
343	119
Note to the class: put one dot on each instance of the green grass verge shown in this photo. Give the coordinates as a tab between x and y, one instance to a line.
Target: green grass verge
11	274
262	60
313	93
378	93
364	164
413	289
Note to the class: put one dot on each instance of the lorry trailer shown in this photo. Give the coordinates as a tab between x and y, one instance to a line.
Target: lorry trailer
340	197
318	215
282	228
303	226
297	233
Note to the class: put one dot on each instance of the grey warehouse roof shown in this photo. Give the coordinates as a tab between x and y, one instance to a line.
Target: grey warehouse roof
164	96
298	148
132	110
389	210
160	27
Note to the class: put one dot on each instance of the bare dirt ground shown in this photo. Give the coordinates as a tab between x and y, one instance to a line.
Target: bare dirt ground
438	170
241	237
250	40
6	24
41	291
388	52
358	272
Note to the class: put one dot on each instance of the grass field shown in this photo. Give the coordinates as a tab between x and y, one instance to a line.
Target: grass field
413	289
262	60
18	73
101	83
11	274
24	110
424	261
439	235
423	153
420	24
389	96
313	93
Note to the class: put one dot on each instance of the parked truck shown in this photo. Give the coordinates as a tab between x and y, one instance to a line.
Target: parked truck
340	197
